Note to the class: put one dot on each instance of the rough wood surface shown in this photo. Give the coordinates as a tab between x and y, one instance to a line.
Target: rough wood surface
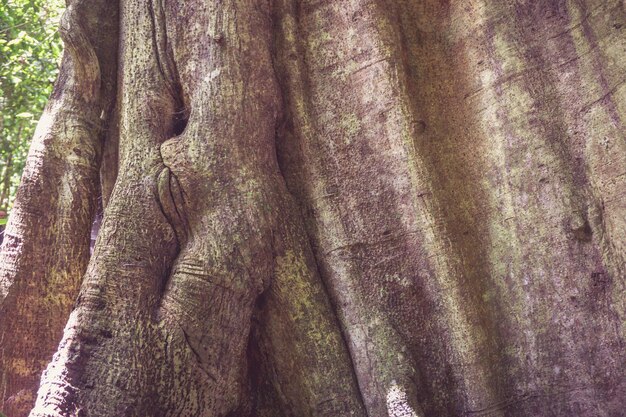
46	246
359	208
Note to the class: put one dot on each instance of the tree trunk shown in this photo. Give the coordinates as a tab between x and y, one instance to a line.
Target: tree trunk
364	208
46	245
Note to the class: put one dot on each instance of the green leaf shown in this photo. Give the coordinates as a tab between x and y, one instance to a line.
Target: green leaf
30	47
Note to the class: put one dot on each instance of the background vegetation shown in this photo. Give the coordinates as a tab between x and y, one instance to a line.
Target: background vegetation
30	49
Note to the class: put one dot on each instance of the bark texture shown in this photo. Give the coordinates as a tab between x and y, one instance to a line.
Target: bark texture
46	245
359	208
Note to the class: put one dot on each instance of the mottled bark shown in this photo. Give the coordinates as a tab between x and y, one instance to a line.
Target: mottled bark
462	168
206	224
46	244
365	208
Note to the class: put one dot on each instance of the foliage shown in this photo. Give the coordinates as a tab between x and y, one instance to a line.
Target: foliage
30	48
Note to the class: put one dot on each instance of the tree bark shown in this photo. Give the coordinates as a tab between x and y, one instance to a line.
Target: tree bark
46	244
364	208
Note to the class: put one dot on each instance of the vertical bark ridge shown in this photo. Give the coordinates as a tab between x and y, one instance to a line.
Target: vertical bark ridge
321	99
192	236
600	128
225	261
55	205
458	171
535	124
418	37
305	356
462	99
244	234
107	361
353	283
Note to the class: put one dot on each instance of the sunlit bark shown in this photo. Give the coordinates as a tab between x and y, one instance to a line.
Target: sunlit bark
46	244
360	208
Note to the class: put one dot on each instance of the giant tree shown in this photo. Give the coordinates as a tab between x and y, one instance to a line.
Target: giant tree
317	208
